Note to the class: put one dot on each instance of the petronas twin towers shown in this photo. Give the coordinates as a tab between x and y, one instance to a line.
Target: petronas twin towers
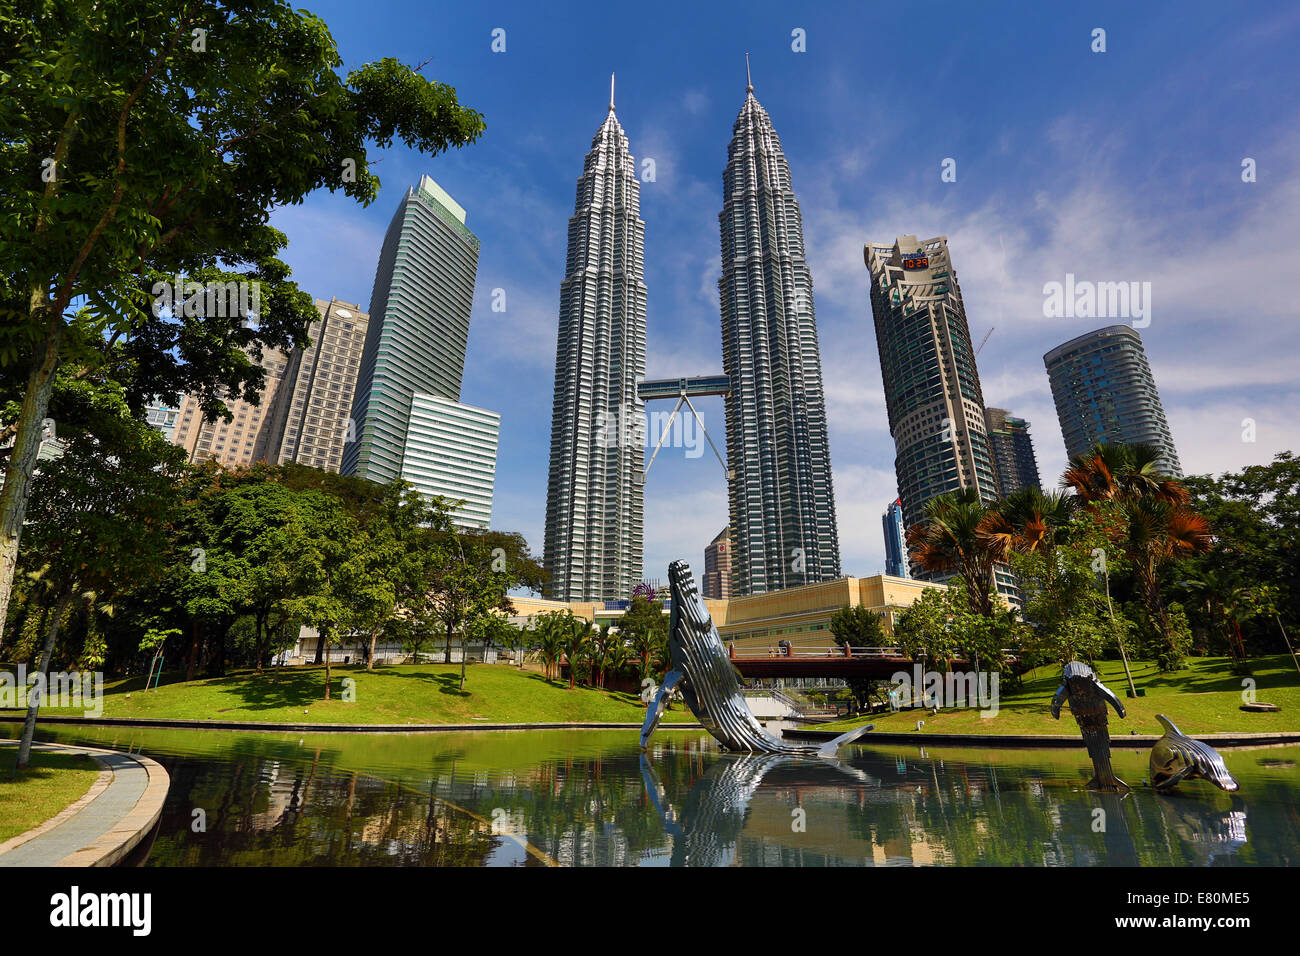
781	500
594	500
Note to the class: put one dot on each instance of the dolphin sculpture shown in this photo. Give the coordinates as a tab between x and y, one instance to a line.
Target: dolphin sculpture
699	664
1177	757
1088	698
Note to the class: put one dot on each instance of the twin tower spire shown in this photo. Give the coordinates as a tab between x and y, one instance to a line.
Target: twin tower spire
781	503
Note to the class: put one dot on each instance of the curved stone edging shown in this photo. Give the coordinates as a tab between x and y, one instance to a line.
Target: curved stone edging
194	724
1049	740
112	839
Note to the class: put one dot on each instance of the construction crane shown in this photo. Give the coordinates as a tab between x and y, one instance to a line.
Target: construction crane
985	339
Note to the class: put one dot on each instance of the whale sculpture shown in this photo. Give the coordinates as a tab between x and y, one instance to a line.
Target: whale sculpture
700	666
1176	757
1088	698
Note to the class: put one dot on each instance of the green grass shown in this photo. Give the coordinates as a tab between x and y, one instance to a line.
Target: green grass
50	782
1203	698
400	694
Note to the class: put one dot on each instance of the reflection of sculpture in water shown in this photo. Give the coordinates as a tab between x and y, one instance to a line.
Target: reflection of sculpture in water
713	814
708	828
1203	832
1178	757
1088	698
709	682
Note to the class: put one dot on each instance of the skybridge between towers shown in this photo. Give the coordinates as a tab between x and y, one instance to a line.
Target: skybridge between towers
683	389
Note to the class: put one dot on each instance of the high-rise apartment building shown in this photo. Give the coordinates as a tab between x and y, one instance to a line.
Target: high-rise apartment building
310	420
451	452
162	417
419	324
248	436
932	388
1104	392
594	492
895	543
717	567
1013	451
781	500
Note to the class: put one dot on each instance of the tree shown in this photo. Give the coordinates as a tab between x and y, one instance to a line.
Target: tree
959	534
1111	471
1154	525
576	639
549	629
1157	533
1068	615
1255	518
148	138
858	627
100	515
644	627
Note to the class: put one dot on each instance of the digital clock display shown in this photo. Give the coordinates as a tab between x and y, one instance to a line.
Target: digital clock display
916	262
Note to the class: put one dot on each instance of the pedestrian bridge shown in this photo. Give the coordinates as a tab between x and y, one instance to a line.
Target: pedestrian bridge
794	660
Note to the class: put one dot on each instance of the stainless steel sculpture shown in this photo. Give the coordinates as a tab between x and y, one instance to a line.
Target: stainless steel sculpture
699	665
1177	757
1088	698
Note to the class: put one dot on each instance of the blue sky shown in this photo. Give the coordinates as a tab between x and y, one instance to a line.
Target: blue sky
1117	166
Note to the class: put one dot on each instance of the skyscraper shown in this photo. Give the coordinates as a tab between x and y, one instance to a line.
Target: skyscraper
419	323
451	452
932	388
895	543
1104	392
782	504
594	492
716	580
1013	451
309	423
250	433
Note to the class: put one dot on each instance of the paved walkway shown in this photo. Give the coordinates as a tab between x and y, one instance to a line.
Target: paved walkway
106	824
209	724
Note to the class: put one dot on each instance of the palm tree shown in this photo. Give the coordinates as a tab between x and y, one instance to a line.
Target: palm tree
1158	532
959	534
618	657
1110	471
576	641
1156	526
550	628
1030	521
602	645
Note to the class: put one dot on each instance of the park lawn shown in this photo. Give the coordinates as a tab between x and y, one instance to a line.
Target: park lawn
1203	698
398	694
51	782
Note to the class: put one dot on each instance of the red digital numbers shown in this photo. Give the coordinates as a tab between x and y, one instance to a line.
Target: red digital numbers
916	262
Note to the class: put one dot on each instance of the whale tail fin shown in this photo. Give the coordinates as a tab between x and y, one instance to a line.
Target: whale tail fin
830	748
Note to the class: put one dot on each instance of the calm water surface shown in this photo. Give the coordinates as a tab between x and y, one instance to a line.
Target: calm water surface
589	798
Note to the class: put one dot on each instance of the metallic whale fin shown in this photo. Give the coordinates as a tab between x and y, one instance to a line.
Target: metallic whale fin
656	709
830	748
1057	700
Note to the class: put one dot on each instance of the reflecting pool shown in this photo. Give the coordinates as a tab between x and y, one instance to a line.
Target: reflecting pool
589	798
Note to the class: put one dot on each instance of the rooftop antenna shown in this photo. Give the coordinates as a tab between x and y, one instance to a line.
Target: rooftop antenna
611	92
749	82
